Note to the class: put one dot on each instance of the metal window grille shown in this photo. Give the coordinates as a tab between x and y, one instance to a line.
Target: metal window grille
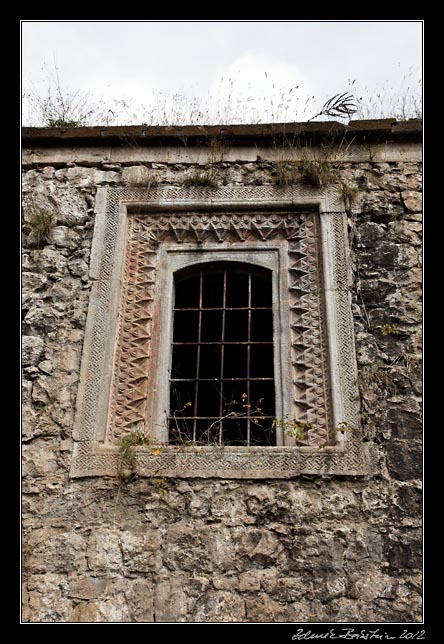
222	370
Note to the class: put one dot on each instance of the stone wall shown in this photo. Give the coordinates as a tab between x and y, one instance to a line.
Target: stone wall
152	550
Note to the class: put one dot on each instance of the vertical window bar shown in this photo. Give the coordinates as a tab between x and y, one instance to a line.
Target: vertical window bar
199	332
221	402
248	359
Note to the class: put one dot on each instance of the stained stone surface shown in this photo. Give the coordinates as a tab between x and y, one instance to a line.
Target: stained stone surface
302	550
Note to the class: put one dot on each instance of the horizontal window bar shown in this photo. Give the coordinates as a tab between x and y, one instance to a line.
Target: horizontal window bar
220	379
219	342
229	308
221	418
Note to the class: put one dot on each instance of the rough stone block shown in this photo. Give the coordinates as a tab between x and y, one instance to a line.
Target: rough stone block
39	458
260	546
33	282
170	601
85	612
32	349
404	459
87	587
141	552
140	597
404	424
138	175
46	599
78	267
261	608
104	554
220	606
48	260
191	549
64	237
250	580
412	200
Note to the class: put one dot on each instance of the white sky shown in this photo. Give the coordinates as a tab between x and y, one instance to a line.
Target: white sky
135	60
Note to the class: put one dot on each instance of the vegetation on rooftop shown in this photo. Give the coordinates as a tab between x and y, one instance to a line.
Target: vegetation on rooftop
57	106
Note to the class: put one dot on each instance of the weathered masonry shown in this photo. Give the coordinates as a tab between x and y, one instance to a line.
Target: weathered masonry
222	371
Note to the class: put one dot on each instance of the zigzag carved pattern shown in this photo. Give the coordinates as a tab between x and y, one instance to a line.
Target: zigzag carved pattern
132	358
99	346
130	378
309	345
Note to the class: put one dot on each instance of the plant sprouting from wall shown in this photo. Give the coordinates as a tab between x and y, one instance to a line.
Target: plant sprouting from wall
287	172
40	221
349	194
318	171
293	428
127	452
206	178
389	329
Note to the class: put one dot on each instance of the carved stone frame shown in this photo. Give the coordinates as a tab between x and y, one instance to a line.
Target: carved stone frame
111	269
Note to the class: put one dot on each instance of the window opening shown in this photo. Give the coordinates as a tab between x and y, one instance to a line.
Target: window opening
222	370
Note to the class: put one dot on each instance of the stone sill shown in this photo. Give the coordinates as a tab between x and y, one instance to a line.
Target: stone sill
232	462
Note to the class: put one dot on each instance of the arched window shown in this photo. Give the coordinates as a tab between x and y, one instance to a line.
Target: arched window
222	366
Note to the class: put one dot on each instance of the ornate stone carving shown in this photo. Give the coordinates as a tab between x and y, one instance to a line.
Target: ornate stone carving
213	217
132	360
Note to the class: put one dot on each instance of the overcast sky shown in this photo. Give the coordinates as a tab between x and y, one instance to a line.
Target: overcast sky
257	60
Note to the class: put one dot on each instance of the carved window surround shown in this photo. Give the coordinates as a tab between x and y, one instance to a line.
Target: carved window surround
140	238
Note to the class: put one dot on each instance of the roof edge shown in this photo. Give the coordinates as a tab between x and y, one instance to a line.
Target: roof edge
149	134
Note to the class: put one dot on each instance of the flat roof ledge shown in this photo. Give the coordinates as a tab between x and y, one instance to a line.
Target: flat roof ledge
367	130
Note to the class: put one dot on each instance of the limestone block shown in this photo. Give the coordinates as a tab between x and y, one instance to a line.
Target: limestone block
69	359
40	318
78	267
48	260
54	550
101	177
46	599
88	587
407	257
220	606
85	612
141	552
261	608
41	391
32	349
26	392
198	506
190	549
78	176
64	237
250	580
371	234
369	587
406	232
404	459
103	551
46	366
261	546
33	282
138	175
170	601
140	598
412	200
224	582
39	458
336	586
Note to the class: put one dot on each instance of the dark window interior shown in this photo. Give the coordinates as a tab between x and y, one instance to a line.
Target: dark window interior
222	371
